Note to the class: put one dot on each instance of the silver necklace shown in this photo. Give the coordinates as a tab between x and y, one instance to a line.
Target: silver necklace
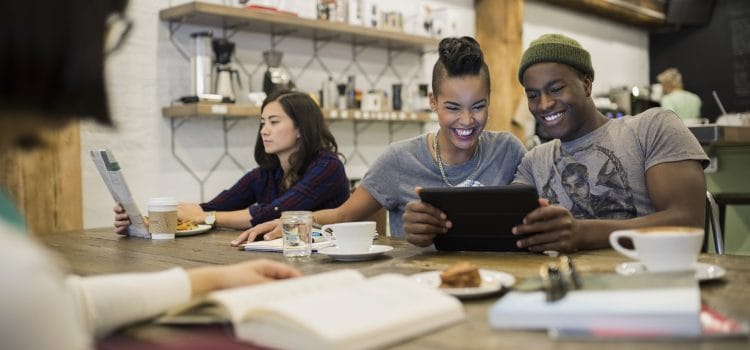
477	154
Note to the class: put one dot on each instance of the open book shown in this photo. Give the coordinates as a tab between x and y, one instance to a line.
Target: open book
665	304
333	310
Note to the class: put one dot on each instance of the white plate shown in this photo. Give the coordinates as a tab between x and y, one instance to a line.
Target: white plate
703	272
492	282
198	230
337	254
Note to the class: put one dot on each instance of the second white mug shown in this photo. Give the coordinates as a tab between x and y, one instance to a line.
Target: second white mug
352	237
661	249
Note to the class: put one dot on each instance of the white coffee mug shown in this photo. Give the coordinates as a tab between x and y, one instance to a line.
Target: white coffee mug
353	237
661	249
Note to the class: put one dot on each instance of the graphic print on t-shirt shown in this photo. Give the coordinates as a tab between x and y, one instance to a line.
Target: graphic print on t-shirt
592	183
470	183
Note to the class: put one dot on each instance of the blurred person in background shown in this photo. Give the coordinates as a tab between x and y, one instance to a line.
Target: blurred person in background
685	104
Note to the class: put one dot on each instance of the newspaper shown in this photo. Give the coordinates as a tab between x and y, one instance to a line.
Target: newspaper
112	175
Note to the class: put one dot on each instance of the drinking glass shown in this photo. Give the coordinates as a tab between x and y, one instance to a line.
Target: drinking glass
297	231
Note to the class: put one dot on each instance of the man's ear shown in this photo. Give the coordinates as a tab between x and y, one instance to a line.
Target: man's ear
433	102
588	83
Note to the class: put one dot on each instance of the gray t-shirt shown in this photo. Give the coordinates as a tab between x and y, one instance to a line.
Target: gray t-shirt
602	175
409	163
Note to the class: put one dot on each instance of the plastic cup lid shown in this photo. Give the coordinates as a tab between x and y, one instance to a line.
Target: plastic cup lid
157	201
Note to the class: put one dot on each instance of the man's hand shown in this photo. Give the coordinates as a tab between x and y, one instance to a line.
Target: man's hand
269	230
422	222
551	227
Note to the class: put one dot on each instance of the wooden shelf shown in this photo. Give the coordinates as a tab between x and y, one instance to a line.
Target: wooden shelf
213	110
210	110
222	16
270	22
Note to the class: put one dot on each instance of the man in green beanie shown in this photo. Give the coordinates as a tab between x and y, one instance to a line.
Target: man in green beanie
598	175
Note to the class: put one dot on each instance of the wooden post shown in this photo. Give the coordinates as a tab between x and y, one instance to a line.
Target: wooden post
499	27
45	184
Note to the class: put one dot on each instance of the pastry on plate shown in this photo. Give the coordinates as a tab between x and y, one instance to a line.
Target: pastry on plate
462	274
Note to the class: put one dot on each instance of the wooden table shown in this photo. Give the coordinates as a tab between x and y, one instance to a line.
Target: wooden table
98	251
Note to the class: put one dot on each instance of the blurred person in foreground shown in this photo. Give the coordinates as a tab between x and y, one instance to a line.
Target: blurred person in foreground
597	175
51	68
685	104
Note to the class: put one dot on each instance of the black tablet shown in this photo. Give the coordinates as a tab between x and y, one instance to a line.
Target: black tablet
482	217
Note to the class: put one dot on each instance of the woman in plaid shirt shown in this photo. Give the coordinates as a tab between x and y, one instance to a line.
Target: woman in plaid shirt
299	169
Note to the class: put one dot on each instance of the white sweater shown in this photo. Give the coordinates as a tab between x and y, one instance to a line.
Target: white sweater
40	308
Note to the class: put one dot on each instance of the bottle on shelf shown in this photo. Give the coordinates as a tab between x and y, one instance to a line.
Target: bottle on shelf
396	95
351	102
358	99
341	102
422	98
329	94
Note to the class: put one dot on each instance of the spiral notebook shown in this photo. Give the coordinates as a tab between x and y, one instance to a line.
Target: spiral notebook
277	245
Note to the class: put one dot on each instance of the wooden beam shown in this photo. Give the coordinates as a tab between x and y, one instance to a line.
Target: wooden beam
499	27
641	13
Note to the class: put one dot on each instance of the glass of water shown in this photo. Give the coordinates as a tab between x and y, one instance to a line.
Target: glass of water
297	231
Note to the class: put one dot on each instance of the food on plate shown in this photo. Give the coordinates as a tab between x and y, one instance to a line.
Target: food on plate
185	225
462	274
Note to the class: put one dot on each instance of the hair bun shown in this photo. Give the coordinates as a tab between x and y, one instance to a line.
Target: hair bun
461	55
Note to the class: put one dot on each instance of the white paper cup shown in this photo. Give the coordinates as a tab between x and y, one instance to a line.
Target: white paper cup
353	237
162	217
661	249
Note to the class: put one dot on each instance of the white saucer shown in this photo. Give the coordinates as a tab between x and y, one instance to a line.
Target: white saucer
198	230
336	253
492	282
703	272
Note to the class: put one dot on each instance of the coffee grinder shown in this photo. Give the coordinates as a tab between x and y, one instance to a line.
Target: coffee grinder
276	77
227	79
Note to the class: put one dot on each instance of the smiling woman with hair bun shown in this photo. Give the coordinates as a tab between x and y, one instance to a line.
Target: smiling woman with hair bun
460	153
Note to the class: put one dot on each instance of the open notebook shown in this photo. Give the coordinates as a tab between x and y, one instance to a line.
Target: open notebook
112	175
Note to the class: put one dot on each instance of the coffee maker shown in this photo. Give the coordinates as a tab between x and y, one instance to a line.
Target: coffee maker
201	89
276	77
227	79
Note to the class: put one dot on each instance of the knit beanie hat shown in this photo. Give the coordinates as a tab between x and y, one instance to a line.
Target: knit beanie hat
556	48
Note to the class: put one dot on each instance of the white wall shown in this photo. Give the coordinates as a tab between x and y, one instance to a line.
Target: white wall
148	73
619	52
